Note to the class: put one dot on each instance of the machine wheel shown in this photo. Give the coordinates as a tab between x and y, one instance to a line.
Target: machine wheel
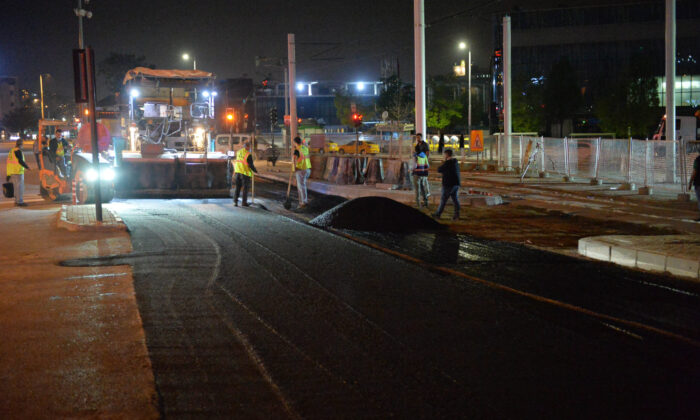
82	191
49	194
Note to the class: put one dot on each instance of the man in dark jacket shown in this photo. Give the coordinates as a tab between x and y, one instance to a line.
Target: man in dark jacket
450	184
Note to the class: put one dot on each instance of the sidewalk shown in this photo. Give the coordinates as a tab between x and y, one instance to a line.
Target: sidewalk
83	218
604	203
73	345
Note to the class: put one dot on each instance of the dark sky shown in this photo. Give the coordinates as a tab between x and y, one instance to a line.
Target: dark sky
225	35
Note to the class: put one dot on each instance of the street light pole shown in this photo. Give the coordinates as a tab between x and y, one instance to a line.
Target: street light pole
41	90
419	63
469	97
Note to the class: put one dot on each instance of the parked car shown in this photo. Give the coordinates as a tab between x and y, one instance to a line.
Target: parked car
330	147
364	148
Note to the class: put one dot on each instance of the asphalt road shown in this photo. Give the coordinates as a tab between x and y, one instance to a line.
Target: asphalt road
250	314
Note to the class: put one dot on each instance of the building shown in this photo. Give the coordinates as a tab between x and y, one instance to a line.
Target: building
600	41
9	95
315	99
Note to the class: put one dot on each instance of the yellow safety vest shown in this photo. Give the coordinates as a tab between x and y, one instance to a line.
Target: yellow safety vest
241	163
60	151
13	166
303	162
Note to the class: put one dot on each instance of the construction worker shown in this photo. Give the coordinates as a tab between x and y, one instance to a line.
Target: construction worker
15	172
243	167
58	147
302	170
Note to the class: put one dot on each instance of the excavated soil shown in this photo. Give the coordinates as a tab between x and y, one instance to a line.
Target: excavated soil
376	214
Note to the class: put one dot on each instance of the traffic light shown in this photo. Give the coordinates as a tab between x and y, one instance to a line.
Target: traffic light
229	115
273	116
245	121
265	82
357	119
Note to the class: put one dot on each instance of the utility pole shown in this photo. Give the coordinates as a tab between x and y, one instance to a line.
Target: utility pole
469	87
90	67
670	90
507	110
291	56
419	60
41	90
81	13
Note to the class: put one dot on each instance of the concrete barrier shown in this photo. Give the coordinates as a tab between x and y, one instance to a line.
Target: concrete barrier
318	166
375	171
331	169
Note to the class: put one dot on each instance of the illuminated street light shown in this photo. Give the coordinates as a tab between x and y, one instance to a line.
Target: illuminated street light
186	57
462	45
134	93
205	93
300	86
360	86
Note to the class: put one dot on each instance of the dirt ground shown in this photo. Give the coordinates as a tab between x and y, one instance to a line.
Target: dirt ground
541	228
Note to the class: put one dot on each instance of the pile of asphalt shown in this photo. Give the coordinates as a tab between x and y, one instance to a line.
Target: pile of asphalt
375	214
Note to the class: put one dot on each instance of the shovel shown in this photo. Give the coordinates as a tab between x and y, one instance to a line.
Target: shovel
288	201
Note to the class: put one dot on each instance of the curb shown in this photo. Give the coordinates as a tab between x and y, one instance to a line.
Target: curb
63	222
609	249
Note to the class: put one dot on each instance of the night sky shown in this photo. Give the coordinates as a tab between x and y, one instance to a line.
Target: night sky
225	36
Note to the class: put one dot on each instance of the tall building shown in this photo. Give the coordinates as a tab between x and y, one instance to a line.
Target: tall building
600	41
9	95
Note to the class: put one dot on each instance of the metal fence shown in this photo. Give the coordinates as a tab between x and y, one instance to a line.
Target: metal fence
660	163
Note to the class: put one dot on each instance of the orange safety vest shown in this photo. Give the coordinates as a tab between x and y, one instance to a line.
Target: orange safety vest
241	163
303	162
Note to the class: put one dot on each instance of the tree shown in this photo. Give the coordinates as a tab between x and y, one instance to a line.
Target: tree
562	95
21	119
528	107
397	99
631	107
114	68
343	108
443	114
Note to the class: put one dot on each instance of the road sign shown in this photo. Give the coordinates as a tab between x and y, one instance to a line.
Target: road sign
476	141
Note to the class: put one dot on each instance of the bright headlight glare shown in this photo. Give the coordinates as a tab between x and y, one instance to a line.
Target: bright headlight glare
108	174
91	175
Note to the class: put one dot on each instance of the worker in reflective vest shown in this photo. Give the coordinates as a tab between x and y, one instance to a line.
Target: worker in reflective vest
420	179
243	167
58	147
15	172
302	170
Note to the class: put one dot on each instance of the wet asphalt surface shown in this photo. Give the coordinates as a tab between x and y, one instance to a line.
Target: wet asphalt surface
251	314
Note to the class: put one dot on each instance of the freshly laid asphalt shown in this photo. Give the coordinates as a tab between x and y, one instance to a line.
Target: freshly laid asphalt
250	314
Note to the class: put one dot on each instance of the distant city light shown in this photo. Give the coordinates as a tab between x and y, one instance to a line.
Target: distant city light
134	93
300	86
360	86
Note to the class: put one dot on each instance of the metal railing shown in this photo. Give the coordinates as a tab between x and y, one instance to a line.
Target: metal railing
660	163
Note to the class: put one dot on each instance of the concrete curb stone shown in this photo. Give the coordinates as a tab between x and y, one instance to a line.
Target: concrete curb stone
68	219
675	254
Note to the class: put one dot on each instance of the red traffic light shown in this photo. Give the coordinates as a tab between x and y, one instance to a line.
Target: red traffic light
229	114
357	119
245	116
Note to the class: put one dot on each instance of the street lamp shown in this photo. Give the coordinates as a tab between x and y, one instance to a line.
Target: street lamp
463	46
186	57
